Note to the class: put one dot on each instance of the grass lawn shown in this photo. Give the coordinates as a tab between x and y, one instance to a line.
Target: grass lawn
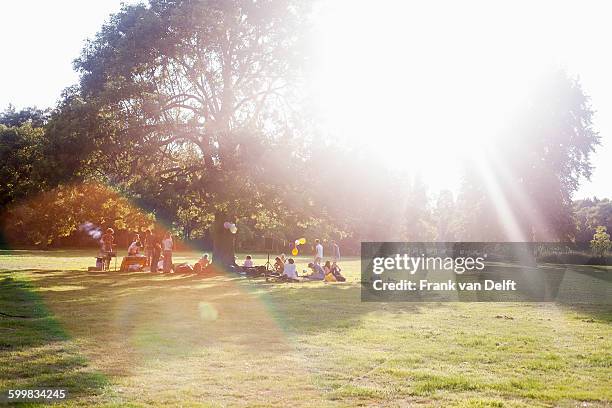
138	339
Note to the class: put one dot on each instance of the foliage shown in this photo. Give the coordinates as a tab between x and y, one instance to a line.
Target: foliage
601	244
34	116
38	152
59	212
195	100
21	157
191	96
521	187
589	213
194	110
447	217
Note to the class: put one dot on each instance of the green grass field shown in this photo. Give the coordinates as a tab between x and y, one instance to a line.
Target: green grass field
137	339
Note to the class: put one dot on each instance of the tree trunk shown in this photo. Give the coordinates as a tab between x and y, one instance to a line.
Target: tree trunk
223	242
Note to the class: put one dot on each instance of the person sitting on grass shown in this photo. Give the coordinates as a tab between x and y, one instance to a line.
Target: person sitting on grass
317	272
279	266
204	261
202	264
290	271
329	276
248	262
335	270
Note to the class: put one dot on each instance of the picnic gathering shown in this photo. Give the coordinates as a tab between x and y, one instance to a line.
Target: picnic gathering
153	252
289	203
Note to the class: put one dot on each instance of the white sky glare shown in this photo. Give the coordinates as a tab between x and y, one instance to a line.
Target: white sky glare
428	69
39	41
420	79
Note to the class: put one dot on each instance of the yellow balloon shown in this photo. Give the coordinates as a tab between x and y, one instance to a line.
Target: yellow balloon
294	251
302	241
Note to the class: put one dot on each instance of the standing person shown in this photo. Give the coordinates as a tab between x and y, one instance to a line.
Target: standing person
318	252
155	252
108	240
335	251
148	245
167	246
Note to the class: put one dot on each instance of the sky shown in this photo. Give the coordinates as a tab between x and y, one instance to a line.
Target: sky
384	74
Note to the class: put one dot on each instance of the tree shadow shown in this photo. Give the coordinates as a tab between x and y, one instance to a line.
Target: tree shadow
146	313
126	319
35	351
310	307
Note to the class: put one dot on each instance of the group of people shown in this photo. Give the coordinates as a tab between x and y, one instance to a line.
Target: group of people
157	249
287	269
330	271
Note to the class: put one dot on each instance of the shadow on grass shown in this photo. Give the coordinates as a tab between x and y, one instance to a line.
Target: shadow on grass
139	298
35	352
133	321
308	308
115	306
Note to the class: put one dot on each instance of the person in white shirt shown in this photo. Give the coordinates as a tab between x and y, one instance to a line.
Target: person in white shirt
134	247
290	270
248	262
318	252
167	246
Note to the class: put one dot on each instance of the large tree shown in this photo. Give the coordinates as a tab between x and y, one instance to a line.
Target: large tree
522	186
196	98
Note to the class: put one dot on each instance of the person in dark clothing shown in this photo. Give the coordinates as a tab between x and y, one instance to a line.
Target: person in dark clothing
155	252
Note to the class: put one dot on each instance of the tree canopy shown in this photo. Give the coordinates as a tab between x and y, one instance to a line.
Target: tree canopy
522	186
197	111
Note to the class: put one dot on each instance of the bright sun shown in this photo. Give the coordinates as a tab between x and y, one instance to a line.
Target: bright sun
428	96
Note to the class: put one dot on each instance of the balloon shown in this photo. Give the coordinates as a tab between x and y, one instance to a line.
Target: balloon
294	251
302	241
227	225
233	229
297	242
